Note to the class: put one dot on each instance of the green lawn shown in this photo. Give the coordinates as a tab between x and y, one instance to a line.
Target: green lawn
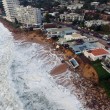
104	76
102	73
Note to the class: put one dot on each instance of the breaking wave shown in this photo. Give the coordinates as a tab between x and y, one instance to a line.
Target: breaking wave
25	80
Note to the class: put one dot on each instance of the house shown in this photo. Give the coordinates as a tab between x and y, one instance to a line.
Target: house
95	22
96	54
105	16
89	11
94	3
75	6
59	32
98	45
63	41
92	39
78	49
71	17
101	7
74	36
106	63
63	3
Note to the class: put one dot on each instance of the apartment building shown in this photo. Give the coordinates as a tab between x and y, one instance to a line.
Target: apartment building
76	1
96	22
9	7
71	17
75	6
28	15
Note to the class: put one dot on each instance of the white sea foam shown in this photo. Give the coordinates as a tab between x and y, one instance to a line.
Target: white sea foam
25	78
8	98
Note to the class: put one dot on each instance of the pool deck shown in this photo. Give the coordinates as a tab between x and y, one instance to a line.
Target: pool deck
75	63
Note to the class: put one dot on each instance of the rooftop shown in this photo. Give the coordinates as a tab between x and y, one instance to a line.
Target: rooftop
75	36
93	39
49	25
84	46
97	52
61	29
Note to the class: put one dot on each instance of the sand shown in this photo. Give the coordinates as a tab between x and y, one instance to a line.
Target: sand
59	69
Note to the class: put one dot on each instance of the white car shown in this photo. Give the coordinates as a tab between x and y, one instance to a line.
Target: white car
108	42
105	38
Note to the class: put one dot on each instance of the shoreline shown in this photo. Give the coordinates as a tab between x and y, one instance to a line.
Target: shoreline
94	95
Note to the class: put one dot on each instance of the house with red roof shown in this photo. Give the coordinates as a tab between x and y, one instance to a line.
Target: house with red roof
96	54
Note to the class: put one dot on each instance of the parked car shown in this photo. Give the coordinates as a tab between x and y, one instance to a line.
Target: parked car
105	38
108	42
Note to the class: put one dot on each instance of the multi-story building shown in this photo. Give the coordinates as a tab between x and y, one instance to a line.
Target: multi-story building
0	2
28	15
76	1
71	17
96	22
75	6
9	6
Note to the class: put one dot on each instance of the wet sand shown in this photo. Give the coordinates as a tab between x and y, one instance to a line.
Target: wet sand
59	69
91	95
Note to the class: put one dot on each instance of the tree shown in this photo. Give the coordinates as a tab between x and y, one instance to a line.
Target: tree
88	6
16	21
88	1
75	22
96	27
82	23
24	3
48	17
56	3
106	28
62	10
96	16
103	1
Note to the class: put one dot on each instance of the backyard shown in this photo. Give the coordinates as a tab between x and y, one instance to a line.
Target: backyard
104	76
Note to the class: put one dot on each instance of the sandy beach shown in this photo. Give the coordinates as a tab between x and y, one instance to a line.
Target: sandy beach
92	96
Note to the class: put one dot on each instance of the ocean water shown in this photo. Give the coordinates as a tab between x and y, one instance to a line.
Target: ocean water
25	82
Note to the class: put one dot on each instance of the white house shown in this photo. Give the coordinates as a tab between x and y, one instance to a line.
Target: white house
71	17
106	63
75	6
59	32
95	22
74	36
94	3
90	39
96	54
108	59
